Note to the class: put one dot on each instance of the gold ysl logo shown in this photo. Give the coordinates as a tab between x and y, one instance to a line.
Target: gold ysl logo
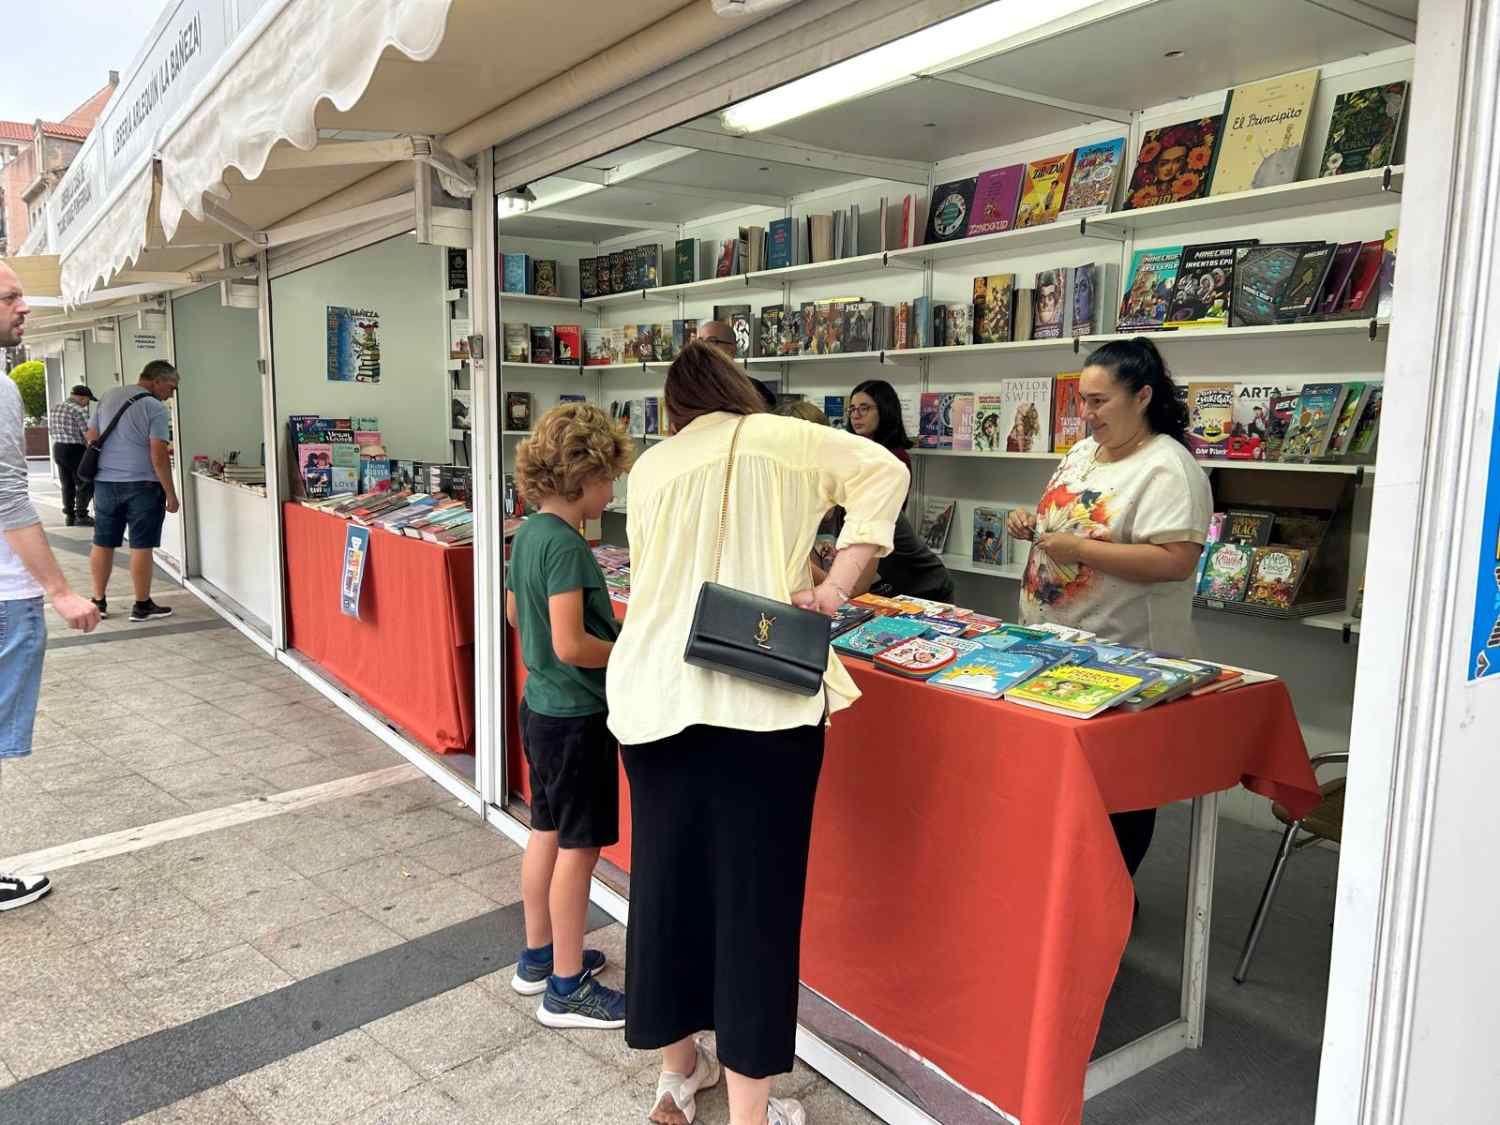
763	631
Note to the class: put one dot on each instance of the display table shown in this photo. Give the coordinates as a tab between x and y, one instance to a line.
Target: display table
233	525
966	896
411	653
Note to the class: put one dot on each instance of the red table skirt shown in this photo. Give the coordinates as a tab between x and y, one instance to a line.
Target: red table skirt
411	653
966	896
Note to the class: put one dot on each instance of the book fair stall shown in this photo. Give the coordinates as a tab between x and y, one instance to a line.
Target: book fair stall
962	199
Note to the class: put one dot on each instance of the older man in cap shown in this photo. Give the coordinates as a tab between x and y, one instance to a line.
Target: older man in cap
66	422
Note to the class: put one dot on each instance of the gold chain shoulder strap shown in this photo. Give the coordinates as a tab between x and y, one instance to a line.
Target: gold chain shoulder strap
734	442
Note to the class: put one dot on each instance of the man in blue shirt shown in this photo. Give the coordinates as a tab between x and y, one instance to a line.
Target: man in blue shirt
133	488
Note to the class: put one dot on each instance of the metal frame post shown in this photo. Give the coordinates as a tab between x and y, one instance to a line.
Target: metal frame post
489	542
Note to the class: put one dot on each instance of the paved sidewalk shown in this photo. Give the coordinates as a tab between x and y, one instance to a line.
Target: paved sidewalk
347	961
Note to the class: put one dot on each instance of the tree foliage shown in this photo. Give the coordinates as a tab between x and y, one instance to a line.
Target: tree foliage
31	379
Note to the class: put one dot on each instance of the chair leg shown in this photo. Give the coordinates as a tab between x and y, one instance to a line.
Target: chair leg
1277	868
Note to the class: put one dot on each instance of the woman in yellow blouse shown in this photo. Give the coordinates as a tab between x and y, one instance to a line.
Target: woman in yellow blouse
723	771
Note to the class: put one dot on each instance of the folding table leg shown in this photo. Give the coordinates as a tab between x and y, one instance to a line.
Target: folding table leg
1200	900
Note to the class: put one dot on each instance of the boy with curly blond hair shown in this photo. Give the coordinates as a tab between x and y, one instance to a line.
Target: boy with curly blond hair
557	599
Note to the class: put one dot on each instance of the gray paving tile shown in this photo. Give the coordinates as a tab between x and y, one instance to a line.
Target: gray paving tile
111	908
309	948
317	771
428	907
499	882
217	1105
465	851
327	1083
421	1105
411	829
214	884
437	1035
149	950
377	880
209	783
257	757
351	738
541	1077
310	846
627	1103
263	911
6	1077
35	929
209	984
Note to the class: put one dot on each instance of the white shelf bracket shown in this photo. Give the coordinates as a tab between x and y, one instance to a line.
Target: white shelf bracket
237	227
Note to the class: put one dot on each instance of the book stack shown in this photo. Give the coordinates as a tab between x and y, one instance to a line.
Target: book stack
621	271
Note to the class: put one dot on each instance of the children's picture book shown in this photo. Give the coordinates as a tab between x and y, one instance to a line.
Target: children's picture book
1227	572
1204	287
989	537
916	658
1068	426
1048	304
993	298
1083	288
1350	412
952	206
989	430
961	418
1299	296
1210	418
1250	428
1046	185
1312	423
1275	573
1024	416
1079	691
1215	533
1174	163
1091	188
1362	130
996	195
848	616
1177	678
1264	126
1261	274
988	672
877	635
1153	278
937	522
518	411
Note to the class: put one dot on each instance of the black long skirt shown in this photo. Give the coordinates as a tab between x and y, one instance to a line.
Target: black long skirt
720	824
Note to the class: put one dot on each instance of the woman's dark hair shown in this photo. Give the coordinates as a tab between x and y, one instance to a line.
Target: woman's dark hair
702	380
892	431
1137	363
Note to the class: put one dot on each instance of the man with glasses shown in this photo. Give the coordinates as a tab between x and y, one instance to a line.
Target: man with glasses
28	573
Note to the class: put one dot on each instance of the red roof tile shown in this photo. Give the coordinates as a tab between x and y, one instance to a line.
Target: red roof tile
72	132
14	131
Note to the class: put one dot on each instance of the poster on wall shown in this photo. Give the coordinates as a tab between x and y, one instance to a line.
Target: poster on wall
353	345
1484	650
352	581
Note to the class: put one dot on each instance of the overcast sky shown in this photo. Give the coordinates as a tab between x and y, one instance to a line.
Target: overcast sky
55	53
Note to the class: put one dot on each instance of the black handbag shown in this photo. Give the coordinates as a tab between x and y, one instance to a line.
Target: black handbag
88	464
751	637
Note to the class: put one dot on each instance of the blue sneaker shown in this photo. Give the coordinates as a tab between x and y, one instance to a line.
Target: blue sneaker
531	976
591	1005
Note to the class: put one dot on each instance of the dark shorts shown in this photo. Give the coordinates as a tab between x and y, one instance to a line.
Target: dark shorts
575	778
137	505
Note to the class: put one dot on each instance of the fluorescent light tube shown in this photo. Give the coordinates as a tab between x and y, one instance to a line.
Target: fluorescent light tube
933	48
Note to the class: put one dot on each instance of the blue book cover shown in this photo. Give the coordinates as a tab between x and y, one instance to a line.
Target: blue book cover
833	408
517	271
879	635
779	254
990	673
921	314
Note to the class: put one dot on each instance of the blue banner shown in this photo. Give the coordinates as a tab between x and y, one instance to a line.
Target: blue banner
1484	652
356	548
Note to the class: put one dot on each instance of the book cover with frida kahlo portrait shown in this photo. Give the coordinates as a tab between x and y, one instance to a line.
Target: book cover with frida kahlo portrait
1174	163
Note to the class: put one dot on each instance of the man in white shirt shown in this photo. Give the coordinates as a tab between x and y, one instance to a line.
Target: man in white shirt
28	573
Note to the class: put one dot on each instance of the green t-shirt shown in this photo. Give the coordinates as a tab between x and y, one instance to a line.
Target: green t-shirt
548	557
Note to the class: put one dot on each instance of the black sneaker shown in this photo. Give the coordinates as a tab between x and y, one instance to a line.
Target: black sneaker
18	890
102	606
84	521
69	521
149	611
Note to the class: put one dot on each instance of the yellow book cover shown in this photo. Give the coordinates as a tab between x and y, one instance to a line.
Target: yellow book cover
1077	689
1046	185
1264	125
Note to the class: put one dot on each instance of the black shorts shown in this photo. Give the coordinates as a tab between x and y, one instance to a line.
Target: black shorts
575	778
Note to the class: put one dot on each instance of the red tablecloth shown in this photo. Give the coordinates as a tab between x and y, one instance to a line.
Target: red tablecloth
411	653
966	896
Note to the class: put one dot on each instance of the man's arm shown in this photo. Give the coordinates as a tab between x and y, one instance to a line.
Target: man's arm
161	461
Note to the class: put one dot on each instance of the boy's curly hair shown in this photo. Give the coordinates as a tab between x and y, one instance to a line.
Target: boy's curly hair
573	442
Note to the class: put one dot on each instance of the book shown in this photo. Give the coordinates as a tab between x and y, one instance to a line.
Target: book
848	616
685	261
1249	527
859	326
1250	423
541	343
781	244
993	299
916	658
1227	572
877	635
833	410
1312	422
343	463
518	411
1260	277
1204	286
1079	691
1048	303
1091	188
921	322
1215	533
648	265
1173	163
1210	418
587	279
1364	283
1387	295
989	426
960	327
988	538
461	410
952	205
1350	412
996	194
1068	426
1278	420
961	413
1175	679
515	275
1261	140
567	343
1336	288
683	333
596	347
517	343
1042	194
937	522
988	672
1362	444
1304	285
727	264
631	263
753	248
604	274
1362	129
1275	573
1022	415
1153	278
544	278
652	414
768	338
1024	305
1083	286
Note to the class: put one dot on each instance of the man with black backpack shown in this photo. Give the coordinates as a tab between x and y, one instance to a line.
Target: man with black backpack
133	488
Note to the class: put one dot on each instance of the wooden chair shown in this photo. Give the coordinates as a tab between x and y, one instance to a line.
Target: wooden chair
1326	822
